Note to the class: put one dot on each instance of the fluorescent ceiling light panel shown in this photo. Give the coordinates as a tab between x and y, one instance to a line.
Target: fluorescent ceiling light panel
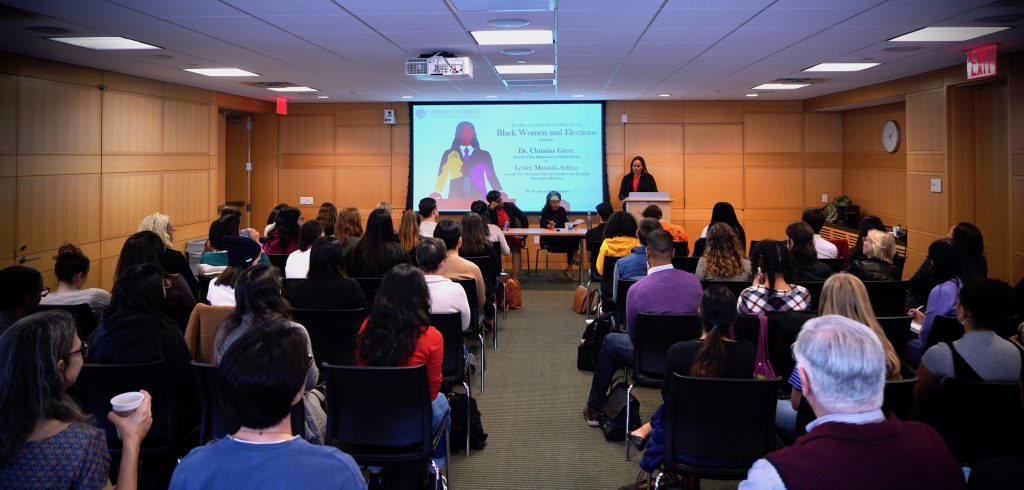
948	34
103	43
222	72
751	95
406	96
523	69
486	38
292	89
842	66
780	86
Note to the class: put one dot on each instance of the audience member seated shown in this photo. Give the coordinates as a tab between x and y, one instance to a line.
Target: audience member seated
21	290
328	218
867	224
261	376
879	249
773	288
138	330
714	355
723	212
843	295
595	234
634	265
815	218
852	444
723	258
72	269
258	300
242	254
398	333
806	266
971	242
619	238
272	218
297	265
46	440
455	267
445	295
494	233
475	242
429	215
349	229
508	215
980	355
284	238
378	250
409	231
666	291
173	261
146	247
215	260
678	232
326	286
948	272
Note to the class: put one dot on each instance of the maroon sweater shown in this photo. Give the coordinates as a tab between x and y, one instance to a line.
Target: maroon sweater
890	454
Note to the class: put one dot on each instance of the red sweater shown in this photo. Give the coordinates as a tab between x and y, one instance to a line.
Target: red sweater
429	350
889	454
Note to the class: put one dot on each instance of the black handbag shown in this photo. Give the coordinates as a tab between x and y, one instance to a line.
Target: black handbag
613	413
590	342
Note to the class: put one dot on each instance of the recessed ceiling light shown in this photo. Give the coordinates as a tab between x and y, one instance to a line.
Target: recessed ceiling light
103	43
948	34
406	96
523	69
664	95
842	66
508	23
751	95
292	89
780	86
485	38
577	95
521	62
322	97
517	52
222	72
492	96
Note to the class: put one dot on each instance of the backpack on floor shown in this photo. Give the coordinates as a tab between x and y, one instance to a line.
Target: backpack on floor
477	436
513	297
613	413
590	342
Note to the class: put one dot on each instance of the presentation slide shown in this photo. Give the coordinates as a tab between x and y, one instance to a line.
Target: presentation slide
462	151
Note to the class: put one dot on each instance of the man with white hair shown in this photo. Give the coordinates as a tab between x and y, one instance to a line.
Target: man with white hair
852	444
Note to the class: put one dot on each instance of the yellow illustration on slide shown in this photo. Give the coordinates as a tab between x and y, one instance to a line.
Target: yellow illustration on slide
450	169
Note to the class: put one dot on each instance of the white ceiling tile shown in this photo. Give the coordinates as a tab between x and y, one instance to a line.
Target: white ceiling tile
703	18
316	24
291	7
689	35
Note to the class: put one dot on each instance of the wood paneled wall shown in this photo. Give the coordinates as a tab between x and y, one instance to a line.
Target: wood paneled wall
84	165
875	179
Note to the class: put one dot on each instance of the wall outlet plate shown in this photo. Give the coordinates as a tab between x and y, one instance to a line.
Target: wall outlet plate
824	198
624	119
307	200
936	185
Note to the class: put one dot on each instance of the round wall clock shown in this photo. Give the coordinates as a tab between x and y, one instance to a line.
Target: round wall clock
890	136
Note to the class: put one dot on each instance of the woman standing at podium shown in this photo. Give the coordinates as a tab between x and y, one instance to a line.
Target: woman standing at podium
638	179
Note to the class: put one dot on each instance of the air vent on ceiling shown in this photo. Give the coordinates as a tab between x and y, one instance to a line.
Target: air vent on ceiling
544	82
270	84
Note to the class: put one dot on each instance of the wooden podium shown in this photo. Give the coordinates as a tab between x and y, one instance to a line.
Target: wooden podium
637	201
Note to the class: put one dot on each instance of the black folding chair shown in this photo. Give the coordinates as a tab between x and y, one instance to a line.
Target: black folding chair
454	369
835	264
980	420
475	330
332	333
898	398
620	303
688	264
279	261
680	249
944	329
489	271
653	335
698	247
897	330
607	278
291	283
98	383
85	322
814	288
370	286
381	416
214	422
887	297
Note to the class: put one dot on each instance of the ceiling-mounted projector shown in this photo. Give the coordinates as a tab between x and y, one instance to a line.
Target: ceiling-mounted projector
439	66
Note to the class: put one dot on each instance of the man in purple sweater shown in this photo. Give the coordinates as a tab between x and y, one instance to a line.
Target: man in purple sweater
665	291
852	445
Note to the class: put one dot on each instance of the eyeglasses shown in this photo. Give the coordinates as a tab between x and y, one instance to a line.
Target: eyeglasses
84	350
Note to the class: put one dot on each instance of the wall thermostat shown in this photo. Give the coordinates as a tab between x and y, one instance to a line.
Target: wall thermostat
389	116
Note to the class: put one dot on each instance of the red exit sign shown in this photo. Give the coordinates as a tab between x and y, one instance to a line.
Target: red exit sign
981	62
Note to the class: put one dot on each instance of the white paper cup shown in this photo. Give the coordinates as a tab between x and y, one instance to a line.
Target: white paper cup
126	403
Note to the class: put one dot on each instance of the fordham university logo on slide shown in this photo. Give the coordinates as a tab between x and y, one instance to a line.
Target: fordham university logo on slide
420	113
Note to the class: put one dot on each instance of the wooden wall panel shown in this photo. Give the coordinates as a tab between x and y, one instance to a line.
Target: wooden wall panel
643	139
8	114
818	181
670	179
705	186
713	138
662	112
186	196
306	134
57	164
362	187
186	127
317	183
368	114
823	132
713	111
61	72
925	209
363	140
878	192
57	118
862	130
773	133
1018	211
154	163
8	222
774	188
400	145
614	137
925	116
127	198
132	123
66	204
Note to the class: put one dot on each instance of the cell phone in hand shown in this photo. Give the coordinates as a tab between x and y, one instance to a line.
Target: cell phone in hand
244	233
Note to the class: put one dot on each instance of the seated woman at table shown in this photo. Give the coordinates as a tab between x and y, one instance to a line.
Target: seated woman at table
554	216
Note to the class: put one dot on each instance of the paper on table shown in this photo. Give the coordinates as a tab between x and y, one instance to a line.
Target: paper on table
915	327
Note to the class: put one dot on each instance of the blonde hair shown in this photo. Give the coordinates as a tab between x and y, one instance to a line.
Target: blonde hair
159	224
845	295
409	230
723	255
881	245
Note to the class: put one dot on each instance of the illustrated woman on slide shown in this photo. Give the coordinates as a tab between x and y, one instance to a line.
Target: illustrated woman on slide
468	169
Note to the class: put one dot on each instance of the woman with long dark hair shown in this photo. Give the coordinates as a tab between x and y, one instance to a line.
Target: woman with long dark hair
398	333
326	286
971	242
806	266
257	300
949	272
298	261
378	250
773	288
494	232
474	240
638	179
328	217
714	355
553	216
723	258
723	212
146	247
284	238
46	441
